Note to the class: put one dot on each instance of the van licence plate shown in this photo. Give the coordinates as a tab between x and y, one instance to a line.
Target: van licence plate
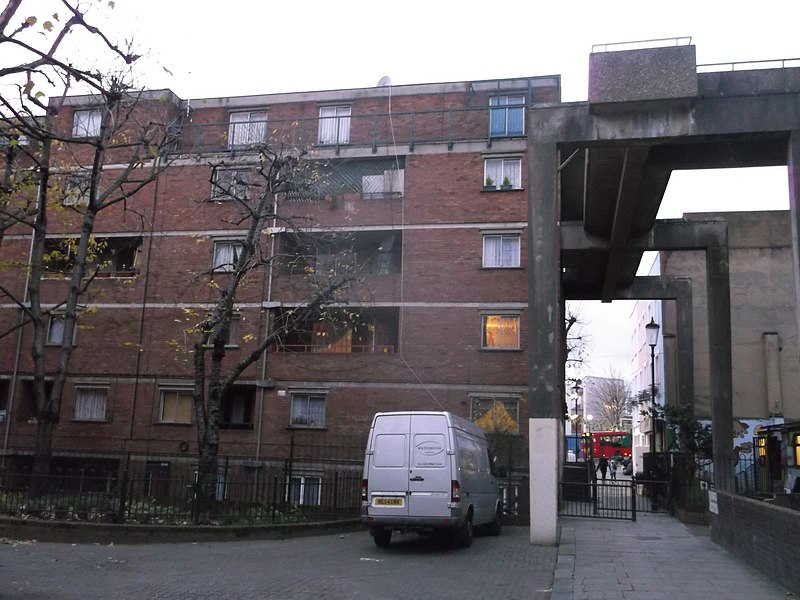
390	501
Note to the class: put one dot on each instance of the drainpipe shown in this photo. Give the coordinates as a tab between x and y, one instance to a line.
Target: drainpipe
261	388
12	388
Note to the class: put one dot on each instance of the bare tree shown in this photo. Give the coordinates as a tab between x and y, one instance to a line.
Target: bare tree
55	181
609	400
279	172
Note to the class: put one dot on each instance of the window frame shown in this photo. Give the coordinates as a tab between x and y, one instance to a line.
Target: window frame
317	395
77	189
91	388
50	340
301	483
514	174
226	267
235	189
87	122
341	135
502	315
255	130
178	391
499	105
502	235
505	399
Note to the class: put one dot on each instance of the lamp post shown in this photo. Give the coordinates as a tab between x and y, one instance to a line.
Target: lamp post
576	394
652	339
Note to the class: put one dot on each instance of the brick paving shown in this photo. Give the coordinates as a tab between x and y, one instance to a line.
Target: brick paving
655	558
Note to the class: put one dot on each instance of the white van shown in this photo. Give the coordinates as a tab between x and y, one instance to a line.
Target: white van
428	471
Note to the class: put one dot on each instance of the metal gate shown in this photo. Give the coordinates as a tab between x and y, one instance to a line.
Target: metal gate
614	499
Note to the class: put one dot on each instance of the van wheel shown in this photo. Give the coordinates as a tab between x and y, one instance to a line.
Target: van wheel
496	526
382	537
465	533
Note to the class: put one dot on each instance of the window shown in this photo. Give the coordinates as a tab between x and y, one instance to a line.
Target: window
59	255
234	337
116	257
90	404
77	189
501	250
304	490
308	410
86	123
502	169
498	414
334	125
230	183
226	255
506	116
237	408
176	406
247	129
56	328
500	332
388	185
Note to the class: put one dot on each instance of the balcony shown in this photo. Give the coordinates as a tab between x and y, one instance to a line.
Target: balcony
354	330
359	131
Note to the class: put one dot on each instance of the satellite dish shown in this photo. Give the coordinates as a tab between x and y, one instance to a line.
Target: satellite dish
385	81
386	243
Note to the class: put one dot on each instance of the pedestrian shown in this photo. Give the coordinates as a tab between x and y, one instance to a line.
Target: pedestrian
602	466
613	465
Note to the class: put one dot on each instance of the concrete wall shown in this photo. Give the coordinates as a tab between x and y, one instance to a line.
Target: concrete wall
762	304
760	533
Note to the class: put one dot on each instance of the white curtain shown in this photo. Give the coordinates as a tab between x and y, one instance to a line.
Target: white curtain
334	125
501	251
91	405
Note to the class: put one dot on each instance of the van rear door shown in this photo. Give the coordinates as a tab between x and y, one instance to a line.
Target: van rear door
388	466
429	466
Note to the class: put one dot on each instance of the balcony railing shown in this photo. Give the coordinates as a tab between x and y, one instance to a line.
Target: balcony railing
336	349
446	126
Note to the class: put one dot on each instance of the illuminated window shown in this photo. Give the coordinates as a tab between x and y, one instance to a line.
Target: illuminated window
500	332
497	414
796	445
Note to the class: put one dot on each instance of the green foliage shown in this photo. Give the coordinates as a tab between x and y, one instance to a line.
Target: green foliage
691	436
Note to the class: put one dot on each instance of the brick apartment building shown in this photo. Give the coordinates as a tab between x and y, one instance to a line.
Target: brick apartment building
445	293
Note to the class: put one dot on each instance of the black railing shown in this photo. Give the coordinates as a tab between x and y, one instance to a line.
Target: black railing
615	499
446	126
270	496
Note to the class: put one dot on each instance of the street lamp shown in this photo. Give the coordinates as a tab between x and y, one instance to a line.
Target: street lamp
576	394
652	339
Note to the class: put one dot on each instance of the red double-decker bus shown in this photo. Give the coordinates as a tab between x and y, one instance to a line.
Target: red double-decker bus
607	444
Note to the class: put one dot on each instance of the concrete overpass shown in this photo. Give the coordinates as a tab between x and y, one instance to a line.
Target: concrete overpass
597	174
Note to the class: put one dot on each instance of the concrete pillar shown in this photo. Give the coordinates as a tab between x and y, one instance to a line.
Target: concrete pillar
793	161
720	360
545	330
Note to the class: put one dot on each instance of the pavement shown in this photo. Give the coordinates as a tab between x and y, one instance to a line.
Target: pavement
655	557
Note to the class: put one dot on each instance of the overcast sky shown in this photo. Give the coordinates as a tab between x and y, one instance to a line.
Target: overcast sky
240	47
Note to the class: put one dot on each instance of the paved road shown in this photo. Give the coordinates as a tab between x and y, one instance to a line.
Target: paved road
340	567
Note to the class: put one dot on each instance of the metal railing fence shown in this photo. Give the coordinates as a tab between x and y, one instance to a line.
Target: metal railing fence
269	496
